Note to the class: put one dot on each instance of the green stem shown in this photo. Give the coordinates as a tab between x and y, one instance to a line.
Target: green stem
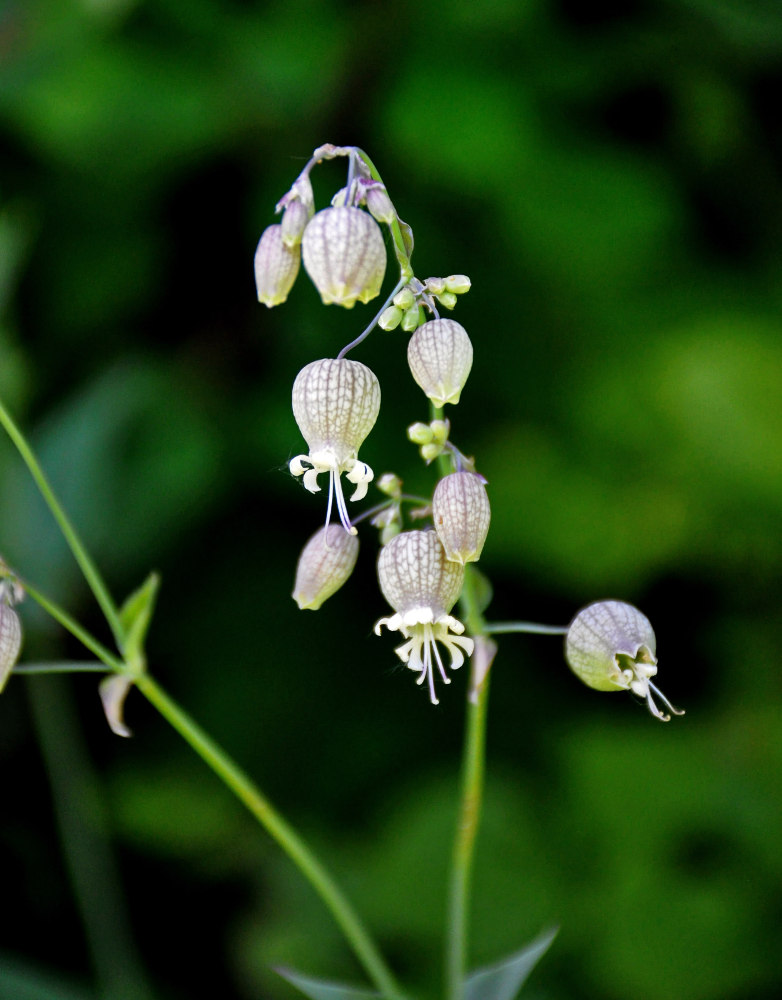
85	638
87	566
473	767
496	628
402	256
296	849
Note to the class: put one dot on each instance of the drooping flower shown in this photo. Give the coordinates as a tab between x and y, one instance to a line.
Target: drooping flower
440	357
422	586
611	646
335	403
276	267
10	627
325	563
345	255
461	515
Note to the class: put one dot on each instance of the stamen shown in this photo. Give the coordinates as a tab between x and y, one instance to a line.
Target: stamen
341	505
428	666
436	651
328	505
661	696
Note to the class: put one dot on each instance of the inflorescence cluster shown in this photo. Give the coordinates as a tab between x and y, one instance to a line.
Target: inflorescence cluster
336	401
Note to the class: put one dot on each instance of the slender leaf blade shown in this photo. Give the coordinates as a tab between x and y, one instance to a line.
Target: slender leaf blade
502	980
136	614
322	989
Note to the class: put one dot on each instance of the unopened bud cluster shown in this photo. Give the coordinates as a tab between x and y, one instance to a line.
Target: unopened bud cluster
408	305
432	438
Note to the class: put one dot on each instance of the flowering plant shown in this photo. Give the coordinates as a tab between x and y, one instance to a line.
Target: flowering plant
428	545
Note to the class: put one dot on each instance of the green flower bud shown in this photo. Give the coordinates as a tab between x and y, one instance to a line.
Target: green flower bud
419	433
461	515
390	484
440	357
447	299
435	286
411	318
422	586
344	254
405	298
429	452
458	284
390	318
276	267
611	646
440	430
325	563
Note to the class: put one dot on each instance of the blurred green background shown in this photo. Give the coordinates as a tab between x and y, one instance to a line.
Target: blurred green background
608	174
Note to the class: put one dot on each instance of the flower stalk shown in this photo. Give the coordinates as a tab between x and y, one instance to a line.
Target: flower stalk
470	805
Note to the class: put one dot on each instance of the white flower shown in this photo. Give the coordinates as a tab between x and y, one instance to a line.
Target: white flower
440	357
10	626
335	403
461	515
276	267
422	586
325	563
345	255
611	646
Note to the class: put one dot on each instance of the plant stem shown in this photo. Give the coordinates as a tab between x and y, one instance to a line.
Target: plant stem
87	566
296	849
473	767
85	638
495	628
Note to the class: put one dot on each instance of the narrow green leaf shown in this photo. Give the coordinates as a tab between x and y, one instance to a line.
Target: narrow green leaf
321	989
136	614
503	980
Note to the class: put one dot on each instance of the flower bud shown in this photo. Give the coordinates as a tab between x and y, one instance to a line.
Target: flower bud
335	402
325	563
345	255
294	221
10	640
611	646
405	298
411	318
458	284
440	430
447	300
419	433
390	318
276	267
429	452
435	286
390	484
461	515
440	357
379	204
422	586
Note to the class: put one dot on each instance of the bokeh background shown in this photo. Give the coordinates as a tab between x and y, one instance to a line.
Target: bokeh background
608	174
